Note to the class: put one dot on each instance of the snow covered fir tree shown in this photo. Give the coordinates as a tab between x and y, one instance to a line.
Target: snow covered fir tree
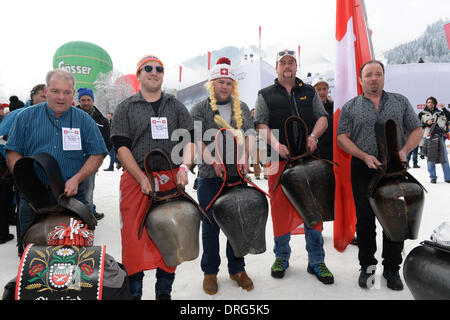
431	47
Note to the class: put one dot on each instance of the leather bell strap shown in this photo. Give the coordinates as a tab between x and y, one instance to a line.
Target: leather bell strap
224	183
305	155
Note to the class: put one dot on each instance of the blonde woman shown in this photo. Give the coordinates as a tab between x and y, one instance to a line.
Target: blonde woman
222	109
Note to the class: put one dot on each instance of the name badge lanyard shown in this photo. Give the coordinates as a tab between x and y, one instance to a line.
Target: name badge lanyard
54	124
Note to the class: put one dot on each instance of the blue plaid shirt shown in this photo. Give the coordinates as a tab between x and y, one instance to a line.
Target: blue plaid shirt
36	130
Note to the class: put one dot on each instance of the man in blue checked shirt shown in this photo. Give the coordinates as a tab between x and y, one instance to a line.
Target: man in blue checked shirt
55	127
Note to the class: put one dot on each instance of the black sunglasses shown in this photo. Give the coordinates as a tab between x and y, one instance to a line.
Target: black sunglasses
289	52
149	69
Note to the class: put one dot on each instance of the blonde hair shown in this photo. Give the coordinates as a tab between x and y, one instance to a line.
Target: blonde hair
237	111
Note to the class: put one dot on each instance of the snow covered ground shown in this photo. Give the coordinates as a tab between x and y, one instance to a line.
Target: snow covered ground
297	283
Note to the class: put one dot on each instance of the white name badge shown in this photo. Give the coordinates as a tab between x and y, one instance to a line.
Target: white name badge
71	139
159	128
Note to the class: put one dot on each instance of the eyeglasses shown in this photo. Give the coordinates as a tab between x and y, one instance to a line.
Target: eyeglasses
149	69
285	52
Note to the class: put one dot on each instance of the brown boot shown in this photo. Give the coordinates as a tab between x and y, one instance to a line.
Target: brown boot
242	280
210	284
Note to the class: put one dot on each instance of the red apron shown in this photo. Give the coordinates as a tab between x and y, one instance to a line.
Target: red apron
140	254
284	216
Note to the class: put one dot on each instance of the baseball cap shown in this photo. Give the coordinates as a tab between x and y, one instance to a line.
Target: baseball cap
286	52
319	80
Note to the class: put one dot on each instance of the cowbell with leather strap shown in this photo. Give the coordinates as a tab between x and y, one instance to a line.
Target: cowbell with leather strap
307	181
172	219
48	212
240	209
396	197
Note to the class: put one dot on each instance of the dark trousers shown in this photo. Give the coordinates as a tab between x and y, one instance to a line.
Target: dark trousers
163	285
365	225
6	197
207	189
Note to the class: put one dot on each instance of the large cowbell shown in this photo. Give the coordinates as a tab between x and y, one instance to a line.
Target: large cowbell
308	182
427	271
172	220
49	212
396	197
174	228
239	210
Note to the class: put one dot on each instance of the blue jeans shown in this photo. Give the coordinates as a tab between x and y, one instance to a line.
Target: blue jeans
314	246
445	167
163	285
414	154
113	158
89	185
207	189
26	214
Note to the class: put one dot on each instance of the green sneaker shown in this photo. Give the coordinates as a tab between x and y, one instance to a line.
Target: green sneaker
322	273
279	267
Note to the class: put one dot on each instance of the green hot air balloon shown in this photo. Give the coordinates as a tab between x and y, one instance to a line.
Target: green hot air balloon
85	60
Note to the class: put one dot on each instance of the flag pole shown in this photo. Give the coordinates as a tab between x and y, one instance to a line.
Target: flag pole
369	36
260	50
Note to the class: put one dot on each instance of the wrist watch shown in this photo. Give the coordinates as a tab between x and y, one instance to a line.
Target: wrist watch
314	137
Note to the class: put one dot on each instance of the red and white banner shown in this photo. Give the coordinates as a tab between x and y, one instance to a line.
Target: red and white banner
447	34
352	51
209	60
259	38
181	70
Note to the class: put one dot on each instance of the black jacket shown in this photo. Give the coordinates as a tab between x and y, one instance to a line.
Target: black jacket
325	147
102	124
282	106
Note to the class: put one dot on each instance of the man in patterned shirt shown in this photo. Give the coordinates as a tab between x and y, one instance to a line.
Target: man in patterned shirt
356	136
143	122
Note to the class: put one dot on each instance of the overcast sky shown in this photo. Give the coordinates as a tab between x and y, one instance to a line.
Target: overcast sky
175	31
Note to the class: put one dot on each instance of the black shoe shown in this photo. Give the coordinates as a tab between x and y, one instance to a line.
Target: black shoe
393	280
433	181
9	237
448	181
416	166
108	169
99	216
163	296
354	241
366	279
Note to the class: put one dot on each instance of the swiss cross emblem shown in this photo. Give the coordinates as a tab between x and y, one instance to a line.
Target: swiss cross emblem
154	121
77	132
224	72
163	121
60	275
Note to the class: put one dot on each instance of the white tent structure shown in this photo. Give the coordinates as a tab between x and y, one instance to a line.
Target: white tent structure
252	77
418	81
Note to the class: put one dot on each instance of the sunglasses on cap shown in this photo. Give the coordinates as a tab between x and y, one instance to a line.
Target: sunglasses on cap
149	69
286	52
